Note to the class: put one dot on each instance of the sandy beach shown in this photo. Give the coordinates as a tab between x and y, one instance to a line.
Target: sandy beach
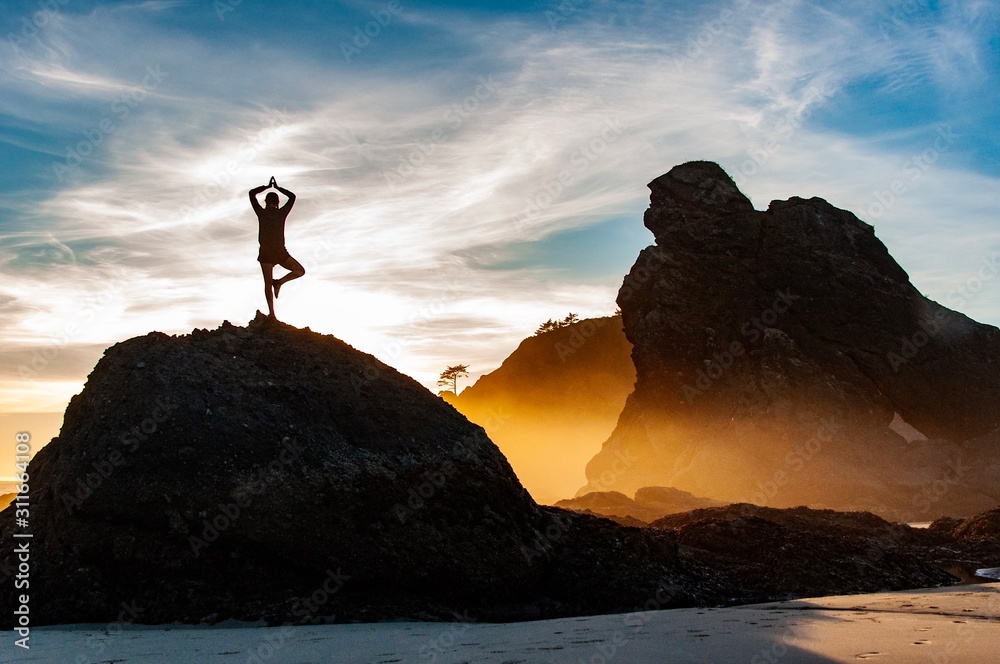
956	624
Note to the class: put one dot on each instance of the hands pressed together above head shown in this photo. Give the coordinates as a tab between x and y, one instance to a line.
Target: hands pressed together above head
272	184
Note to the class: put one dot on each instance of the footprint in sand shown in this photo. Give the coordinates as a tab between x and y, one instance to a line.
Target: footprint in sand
921	642
868	655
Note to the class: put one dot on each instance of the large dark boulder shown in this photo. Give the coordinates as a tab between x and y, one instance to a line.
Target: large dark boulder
228	472
783	357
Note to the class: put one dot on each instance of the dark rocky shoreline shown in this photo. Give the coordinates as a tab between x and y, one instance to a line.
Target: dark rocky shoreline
358	495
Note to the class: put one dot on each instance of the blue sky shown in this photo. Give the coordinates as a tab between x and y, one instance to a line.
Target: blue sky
427	157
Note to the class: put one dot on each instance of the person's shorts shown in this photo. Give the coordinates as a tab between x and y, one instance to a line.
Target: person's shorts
273	255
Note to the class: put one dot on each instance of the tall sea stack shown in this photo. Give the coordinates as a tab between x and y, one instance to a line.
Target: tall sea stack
783	358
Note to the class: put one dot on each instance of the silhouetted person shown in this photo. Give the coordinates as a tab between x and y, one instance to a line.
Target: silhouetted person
271	220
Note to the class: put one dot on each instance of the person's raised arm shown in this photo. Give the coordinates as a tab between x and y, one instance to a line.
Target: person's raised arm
253	196
291	197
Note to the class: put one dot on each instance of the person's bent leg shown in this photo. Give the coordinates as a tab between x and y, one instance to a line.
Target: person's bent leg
296	271
268	271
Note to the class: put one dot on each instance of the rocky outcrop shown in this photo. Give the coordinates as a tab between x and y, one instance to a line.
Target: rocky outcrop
613	505
970	543
233	472
553	401
984	527
781	354
650	503
820	550
669	500
271	473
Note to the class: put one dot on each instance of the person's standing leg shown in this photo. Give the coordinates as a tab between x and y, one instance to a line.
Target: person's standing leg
269	288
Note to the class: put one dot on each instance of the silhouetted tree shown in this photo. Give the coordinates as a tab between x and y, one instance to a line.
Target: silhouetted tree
547	326
450	376
550	324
